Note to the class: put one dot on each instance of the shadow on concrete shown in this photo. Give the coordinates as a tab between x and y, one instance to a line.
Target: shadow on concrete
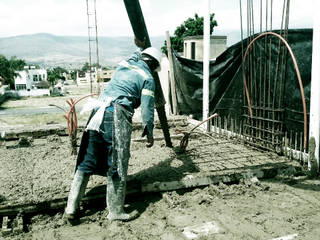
135	199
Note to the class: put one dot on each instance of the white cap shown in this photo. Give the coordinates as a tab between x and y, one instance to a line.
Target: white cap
155	53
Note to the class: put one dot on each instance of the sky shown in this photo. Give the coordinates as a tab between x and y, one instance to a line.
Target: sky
69	17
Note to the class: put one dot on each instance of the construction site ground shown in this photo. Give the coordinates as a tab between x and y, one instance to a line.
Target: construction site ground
219	188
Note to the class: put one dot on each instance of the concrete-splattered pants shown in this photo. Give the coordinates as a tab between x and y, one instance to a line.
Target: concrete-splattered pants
117	174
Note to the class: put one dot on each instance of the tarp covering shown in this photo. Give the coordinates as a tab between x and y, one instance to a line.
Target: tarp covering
226	81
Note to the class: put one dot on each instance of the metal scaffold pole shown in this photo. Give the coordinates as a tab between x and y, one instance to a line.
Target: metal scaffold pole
206	61
314	132
93	27
89	45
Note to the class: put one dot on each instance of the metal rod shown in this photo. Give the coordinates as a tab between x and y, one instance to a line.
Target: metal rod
206	61
301	149
89	43
286	144
241	35
97	48
298	76
290	145
260	74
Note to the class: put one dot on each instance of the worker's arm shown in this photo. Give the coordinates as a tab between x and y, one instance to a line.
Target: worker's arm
147	110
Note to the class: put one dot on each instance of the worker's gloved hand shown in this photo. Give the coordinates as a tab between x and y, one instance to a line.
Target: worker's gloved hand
150	142
139	43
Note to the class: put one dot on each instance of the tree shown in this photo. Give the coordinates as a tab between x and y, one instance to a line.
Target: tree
55	74
16	63
86	66
190	27
8	68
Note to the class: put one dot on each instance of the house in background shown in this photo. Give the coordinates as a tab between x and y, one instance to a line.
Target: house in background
30	78
106	75
31	82
193	47
83	77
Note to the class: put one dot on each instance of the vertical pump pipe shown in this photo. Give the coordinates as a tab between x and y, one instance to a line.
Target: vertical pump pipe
206	59
172	80
314	126
140	31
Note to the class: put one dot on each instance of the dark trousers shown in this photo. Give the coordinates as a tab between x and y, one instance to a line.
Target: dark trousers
98	156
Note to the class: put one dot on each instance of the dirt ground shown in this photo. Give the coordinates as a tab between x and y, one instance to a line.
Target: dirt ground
284	206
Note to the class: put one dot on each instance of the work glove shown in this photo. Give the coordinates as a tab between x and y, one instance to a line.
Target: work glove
150	142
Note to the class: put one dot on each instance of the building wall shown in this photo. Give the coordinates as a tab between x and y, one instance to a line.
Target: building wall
33	93
218	44
26	79
106	75
84	77
22	80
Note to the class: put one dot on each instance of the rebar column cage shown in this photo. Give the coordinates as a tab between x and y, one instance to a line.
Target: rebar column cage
263	125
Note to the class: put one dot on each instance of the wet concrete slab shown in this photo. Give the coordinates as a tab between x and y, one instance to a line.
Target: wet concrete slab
38	177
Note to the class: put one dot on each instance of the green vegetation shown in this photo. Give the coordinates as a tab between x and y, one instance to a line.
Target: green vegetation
86	67
190	27
55	74
8	68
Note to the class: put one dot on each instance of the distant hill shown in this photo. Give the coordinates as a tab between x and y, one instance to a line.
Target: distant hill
68	51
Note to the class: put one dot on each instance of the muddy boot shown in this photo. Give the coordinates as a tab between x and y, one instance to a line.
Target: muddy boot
78	187
116	191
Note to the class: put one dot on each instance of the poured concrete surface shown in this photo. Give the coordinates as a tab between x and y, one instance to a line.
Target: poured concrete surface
44	170
251	209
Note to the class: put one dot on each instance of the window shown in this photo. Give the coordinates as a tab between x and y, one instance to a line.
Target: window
193	50
21	86
35	78
185	49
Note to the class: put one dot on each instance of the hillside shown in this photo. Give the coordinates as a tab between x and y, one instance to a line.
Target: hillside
68	51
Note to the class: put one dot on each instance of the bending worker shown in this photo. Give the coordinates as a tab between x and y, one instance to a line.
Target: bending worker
105	145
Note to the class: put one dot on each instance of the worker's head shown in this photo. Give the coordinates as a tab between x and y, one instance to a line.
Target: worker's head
152	57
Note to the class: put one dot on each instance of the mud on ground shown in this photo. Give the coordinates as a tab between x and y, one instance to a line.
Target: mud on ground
251	209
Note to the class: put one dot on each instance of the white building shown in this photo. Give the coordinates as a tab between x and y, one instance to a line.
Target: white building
29	78
106	75
84	77
193	47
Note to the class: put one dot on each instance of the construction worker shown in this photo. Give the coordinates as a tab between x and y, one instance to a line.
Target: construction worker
105	145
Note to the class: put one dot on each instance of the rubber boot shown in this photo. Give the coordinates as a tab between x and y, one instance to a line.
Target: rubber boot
116	191
78	187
